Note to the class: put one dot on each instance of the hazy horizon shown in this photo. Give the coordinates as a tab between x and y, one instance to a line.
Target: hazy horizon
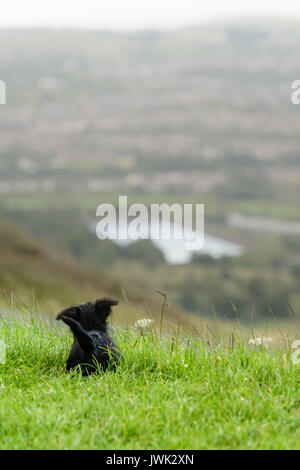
136	14
245	19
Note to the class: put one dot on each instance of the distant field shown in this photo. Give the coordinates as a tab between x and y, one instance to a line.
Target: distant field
186	111
170	394
215	208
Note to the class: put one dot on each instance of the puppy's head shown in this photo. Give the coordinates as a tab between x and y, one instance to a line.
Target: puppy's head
92	315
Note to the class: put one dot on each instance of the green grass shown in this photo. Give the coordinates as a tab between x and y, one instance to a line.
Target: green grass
166	394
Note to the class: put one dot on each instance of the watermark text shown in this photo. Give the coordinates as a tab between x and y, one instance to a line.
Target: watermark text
156	222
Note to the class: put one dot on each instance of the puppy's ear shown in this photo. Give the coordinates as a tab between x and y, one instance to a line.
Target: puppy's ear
70	312
103	307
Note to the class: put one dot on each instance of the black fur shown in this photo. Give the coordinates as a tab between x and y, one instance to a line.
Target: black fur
92	344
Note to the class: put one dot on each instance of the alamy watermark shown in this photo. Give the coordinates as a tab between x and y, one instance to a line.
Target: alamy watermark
295	96
2	92
156	222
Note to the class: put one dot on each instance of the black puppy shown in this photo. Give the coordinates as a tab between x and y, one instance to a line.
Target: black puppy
92	344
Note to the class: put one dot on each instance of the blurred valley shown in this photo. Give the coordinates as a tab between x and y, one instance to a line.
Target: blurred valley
199	115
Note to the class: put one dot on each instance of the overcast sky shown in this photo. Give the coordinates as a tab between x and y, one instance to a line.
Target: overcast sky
136	14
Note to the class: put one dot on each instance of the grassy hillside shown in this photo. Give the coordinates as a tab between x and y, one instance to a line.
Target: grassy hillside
36	277
265	277
178	394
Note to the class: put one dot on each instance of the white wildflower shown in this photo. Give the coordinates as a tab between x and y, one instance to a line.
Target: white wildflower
296	344
144	324
262	342
2	352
